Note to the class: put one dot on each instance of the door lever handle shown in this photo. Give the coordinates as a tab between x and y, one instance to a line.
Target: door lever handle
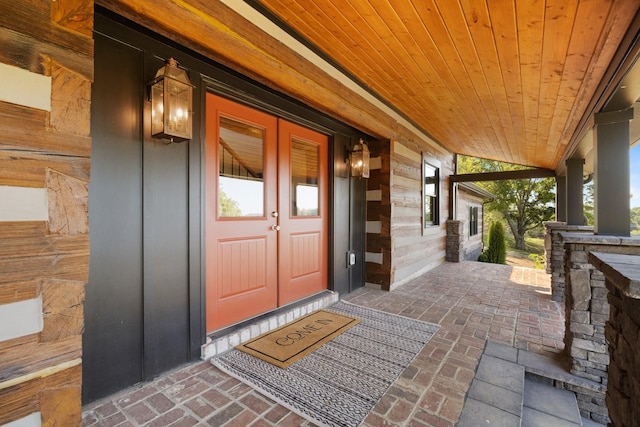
275	227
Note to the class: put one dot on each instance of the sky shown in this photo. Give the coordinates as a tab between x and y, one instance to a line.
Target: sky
635	176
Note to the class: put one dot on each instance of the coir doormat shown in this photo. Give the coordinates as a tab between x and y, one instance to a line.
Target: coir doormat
341	381
290	342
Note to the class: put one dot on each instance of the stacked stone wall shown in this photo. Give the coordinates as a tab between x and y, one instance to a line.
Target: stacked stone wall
455	241
587	311
554	254
622	274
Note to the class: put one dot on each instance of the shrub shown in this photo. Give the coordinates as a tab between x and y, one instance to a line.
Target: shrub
496	252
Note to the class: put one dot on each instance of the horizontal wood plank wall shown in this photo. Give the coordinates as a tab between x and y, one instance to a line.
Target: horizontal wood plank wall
45	145
415	250
472	244
397	247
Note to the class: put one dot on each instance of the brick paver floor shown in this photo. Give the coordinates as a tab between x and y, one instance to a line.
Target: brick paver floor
472	302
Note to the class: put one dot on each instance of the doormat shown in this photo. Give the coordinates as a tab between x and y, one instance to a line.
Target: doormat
296	339
341	381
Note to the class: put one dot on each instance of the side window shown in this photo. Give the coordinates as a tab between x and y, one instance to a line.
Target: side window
473	220
430	192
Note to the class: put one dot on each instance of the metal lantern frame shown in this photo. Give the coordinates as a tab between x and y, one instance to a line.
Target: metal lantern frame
171	96
360	158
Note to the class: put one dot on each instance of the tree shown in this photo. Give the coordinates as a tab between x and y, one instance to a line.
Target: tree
588	204
228	206
496	252
524	203
635	220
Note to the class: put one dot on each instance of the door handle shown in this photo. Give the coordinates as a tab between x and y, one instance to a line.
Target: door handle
274	214
275	227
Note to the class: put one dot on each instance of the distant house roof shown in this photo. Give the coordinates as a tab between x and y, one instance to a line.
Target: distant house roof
476	190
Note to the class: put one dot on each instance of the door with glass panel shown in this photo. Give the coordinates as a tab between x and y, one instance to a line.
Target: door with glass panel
266	212
241	206
302	196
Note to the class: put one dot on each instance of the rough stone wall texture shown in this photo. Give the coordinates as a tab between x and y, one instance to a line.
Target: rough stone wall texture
622	279
554	254
623	334
455	241
46	148
587	310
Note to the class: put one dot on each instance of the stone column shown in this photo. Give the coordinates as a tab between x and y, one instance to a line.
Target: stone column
611	164
622	278
455	243
587	310
554	254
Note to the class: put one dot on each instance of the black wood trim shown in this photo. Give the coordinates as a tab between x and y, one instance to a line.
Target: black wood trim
236	93
501	176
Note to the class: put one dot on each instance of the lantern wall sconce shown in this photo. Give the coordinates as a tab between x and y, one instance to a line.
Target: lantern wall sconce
171	95
360	160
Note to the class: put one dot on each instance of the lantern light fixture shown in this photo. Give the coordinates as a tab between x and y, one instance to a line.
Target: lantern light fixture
171	95
360	160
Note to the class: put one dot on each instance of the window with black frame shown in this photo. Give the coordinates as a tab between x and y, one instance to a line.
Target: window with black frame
430	192
473	220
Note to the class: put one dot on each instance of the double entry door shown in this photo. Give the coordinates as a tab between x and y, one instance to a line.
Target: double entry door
266	212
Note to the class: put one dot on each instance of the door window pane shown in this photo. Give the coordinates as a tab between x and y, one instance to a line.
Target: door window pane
304	178
241	176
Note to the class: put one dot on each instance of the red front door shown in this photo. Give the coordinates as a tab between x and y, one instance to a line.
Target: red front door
266	212
302	196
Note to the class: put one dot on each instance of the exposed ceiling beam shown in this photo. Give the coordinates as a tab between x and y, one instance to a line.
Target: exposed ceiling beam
504	175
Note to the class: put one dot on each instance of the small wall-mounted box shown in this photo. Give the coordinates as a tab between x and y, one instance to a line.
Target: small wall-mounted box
351	258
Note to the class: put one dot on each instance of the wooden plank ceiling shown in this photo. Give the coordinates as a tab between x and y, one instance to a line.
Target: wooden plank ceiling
500	79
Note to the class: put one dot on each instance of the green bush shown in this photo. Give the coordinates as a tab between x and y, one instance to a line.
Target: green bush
538	260
496	252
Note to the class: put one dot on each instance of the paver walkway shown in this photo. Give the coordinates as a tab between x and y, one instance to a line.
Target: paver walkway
473	302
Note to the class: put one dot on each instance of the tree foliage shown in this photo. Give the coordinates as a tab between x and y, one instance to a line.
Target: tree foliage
228	206
588	204
524	203
496	252
635	220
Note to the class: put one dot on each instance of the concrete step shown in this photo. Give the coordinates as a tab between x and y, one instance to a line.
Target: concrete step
515	388
496	393
545	405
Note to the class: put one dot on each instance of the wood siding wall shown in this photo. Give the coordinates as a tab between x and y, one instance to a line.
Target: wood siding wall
398	249
472	244
45	145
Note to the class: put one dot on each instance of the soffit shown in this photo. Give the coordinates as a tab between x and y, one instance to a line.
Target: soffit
505	80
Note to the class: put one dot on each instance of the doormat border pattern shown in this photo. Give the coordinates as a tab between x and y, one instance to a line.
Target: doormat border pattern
340	382
316	334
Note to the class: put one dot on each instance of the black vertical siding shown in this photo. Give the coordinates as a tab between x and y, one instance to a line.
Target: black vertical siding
112	340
